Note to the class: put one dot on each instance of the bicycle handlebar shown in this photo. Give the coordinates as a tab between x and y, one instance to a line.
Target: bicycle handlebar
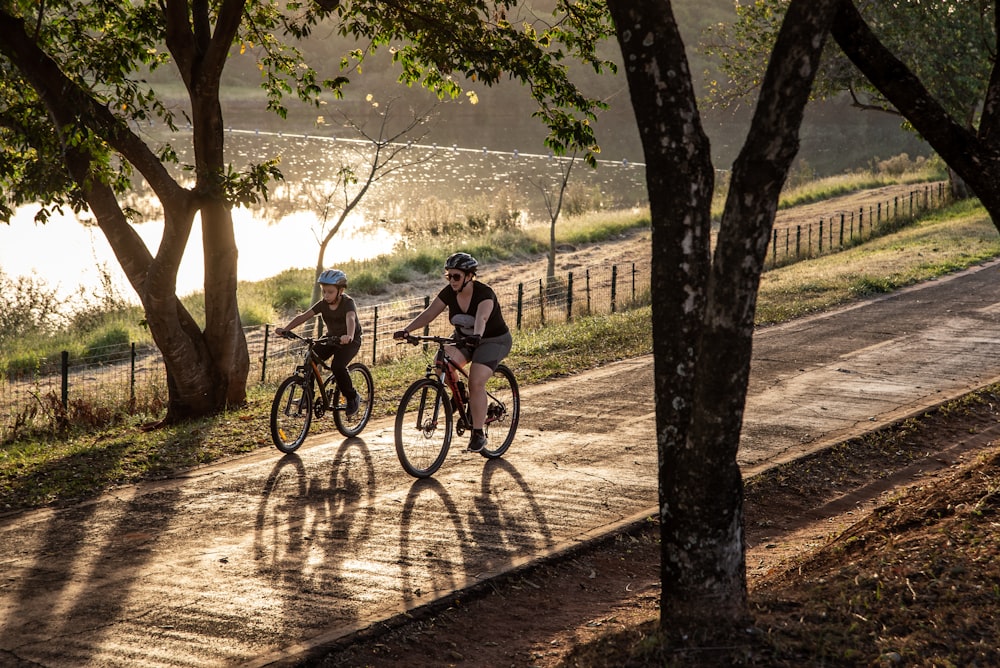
416	339
309	340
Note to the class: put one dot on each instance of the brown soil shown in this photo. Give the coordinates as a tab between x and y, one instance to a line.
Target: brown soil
907	516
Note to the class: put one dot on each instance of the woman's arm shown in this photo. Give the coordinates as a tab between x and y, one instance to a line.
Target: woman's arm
483	312
427	315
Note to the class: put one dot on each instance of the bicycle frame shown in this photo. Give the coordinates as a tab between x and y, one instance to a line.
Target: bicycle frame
445	370
313	367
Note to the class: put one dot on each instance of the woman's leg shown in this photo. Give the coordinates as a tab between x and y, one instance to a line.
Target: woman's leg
478	375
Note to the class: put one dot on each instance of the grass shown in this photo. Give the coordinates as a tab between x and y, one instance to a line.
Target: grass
954	238
801	188
73	465
270	299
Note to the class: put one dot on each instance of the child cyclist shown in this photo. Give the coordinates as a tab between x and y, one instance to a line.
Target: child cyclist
340	315
482	336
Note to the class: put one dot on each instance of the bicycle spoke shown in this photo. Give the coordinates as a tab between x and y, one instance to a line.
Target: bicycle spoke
503	411
364	385
291	414
423	428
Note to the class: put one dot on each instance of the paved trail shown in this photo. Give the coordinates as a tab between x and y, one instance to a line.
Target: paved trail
261	560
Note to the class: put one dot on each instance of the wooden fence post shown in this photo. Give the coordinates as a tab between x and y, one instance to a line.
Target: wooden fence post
374	334
569	297
520	304
131	380
263	358
64	368
541	300
614	286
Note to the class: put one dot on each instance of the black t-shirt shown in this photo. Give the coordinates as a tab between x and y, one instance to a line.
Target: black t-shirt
465	320
336	318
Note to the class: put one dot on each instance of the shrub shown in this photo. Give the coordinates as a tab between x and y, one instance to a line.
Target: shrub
28	306
256	313
109	343
898	165
366	282
27	363
426	262
580	199
292	298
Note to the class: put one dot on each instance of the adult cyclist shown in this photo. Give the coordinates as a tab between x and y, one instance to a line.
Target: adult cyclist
340	314
482	336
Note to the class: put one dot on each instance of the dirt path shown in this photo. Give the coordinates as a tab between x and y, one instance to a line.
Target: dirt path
635	246
265	560
894	200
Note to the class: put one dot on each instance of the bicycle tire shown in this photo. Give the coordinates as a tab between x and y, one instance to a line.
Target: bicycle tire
364	384
503	411
291	413
423	428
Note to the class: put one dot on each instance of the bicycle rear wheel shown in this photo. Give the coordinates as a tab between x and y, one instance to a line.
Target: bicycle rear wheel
364	384
423	428
503	411
291	413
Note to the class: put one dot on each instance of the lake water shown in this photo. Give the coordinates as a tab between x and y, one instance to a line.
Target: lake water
280	234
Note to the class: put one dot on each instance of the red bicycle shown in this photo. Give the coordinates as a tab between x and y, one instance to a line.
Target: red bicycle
427	416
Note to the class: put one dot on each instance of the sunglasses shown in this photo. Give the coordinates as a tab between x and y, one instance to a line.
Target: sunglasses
454	277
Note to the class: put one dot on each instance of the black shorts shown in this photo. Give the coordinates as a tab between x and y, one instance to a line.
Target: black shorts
490	351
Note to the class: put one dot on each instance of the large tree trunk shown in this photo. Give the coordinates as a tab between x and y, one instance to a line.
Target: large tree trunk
974	156
229	361
680	180
703	310
206	370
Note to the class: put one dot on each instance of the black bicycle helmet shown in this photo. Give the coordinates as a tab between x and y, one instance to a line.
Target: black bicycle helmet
461	261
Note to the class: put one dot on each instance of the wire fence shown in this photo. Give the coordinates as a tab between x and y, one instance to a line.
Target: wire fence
848	228
131	378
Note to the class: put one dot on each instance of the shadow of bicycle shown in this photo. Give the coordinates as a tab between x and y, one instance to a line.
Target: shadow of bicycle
445	545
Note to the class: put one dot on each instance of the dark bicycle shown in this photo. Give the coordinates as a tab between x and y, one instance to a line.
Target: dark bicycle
296	402
427	416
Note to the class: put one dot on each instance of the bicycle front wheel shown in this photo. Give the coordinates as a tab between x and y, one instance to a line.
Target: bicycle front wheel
423	428
364	385
503	411
291	413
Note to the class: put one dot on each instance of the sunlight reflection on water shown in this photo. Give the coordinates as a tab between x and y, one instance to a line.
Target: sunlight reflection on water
66	254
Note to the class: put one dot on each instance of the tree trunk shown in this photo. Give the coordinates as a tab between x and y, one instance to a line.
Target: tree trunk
206	371
680	181
550	271
703	309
